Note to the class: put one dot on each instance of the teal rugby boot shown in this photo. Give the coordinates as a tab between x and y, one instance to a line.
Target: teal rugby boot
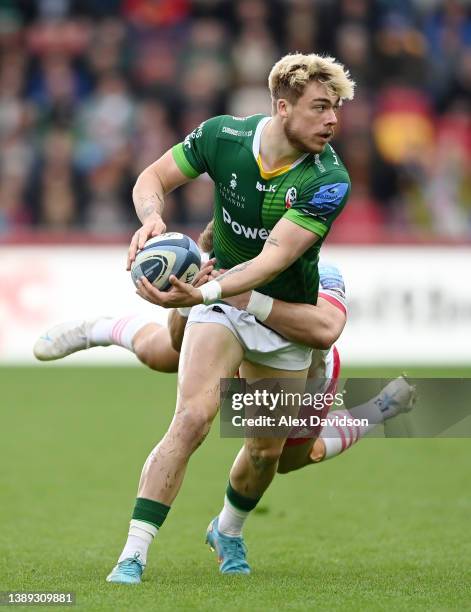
231	551
128	571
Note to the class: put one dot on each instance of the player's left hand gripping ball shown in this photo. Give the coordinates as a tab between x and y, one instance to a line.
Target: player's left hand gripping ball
164	268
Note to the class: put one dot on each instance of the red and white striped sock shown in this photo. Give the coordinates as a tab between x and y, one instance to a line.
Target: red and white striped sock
339	437
118	331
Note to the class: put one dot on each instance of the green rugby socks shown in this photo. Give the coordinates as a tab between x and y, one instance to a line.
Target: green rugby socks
236	509
147	518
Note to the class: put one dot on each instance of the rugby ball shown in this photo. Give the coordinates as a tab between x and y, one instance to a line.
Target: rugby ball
167	254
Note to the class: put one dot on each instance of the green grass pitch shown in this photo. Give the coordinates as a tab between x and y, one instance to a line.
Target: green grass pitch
383	527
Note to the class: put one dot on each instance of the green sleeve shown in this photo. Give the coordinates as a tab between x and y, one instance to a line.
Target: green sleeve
303	220
320	202
196	154
182	162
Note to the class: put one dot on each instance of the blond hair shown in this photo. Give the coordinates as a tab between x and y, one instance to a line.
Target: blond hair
290	75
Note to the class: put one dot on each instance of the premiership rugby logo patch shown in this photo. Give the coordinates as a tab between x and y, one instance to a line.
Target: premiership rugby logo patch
328	197
290	197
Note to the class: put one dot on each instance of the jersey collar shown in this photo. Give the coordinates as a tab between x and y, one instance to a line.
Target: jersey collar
257	136
256	153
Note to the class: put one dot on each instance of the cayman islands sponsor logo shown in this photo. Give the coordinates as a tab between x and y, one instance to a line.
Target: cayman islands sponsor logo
229	192
290	197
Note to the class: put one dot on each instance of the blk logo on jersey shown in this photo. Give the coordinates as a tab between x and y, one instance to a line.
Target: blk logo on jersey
329	197
290	197
268	188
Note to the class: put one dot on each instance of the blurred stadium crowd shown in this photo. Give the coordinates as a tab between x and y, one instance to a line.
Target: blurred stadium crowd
93	91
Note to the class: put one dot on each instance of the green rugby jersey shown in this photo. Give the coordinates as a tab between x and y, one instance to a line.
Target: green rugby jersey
250	201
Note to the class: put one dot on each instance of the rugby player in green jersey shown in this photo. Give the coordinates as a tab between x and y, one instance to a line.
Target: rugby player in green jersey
279	185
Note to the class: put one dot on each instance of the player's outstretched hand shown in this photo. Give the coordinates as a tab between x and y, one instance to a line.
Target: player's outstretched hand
179	296
152	227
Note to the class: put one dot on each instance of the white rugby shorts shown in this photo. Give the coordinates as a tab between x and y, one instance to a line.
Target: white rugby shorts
261	344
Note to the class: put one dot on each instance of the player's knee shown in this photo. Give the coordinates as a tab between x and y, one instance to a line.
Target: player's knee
159	363
151	346
141	350
263	457
155	357
193	422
